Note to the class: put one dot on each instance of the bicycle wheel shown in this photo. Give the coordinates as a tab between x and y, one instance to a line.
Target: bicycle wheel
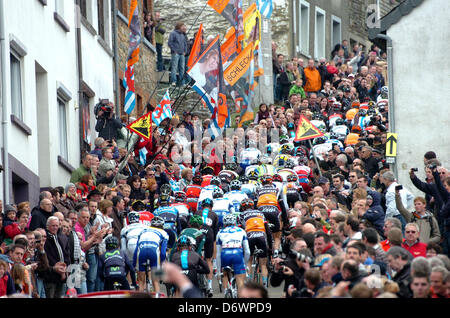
256	273
234	292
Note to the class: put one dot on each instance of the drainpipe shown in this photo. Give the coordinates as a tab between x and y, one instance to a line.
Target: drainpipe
391	108
116	56
80	74
4	106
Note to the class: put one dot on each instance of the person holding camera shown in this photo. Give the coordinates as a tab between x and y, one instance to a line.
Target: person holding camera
107	125
292	269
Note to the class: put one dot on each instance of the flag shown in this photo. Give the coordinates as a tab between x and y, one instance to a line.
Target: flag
252	26
231	10
130	96
132	58
265	7
143	155
207	73
196	50
163	110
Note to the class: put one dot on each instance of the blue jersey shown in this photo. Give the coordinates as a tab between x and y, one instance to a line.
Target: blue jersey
152	238
232	248
170	216
236	197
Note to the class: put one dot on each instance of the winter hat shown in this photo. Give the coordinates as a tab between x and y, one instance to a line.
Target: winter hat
68	186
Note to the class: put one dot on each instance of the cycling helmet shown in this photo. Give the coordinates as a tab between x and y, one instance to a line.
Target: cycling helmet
371	112
235	185
207	202
319	140
138	205
277	178
284	139
184	241
253	175
356	129
337	106
165	189
269	149
266	179
215	180
197	179
196	220
303	160
333	135
384	91
252	144
229	220
231	166
291	178
243	179
317	116
290	126
286	149
217	193
225	178
362	112
355	104
111	242
180	196
290	164
133	217
164	200
158	222
339	122
247	204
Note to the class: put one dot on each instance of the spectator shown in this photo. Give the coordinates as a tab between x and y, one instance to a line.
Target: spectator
178	48
6	281
438	278
39	218
412	242
399	260
159	40
107	125
149	25
84	169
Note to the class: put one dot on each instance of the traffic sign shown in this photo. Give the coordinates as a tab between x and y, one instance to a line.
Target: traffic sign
391	145
306	130
142	126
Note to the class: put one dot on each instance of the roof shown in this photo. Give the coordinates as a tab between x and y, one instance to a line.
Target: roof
391	18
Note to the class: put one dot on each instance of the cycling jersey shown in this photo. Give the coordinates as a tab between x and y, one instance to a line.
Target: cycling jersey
341	131
232	249
304	174
249	155
251	168
171	222
210	219
191	264
183	212
332	119
192	194
253	221
249	189
129	236
267	189
266	169
293	193
228	173
145	217
207	192
114	266
280	160
222	207
198	238
236	197
151	246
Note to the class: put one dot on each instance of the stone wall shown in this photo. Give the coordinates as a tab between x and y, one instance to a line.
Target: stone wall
145	70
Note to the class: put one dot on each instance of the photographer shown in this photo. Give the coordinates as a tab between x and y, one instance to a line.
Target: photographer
292	269
107	125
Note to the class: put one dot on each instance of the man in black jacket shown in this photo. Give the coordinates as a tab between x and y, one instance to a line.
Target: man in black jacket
286	80
370	163
58	255
291	270
107	125
399	260
39	217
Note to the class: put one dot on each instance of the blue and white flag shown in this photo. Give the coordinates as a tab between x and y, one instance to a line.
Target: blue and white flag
265	7
130	96
163	110
143	155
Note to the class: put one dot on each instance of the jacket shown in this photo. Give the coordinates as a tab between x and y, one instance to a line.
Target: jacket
109	128
444	213
403	279
7	285
11	228
297	279
177	42
313	80
417	249
431	190
428	226
159	34
375	214
39	219
78	173
52	254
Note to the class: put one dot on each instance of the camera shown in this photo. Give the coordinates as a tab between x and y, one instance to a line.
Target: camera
300	257
399	187
432	166
414	169
37	242
104	105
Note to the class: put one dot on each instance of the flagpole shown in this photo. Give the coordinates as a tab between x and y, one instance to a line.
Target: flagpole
315	158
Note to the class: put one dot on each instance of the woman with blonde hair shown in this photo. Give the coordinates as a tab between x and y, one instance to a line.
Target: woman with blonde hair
21	278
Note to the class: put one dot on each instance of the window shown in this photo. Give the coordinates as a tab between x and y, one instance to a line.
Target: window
319	34
63	97
335	31
303	33
62	129
122	7
16	86
101	18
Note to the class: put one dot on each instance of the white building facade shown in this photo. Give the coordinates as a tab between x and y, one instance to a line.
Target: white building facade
41	101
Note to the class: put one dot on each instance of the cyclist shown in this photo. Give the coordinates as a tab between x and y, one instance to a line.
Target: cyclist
145	216
196	233
235	195
193	192
248	188
171	219
258	233
182	207
294	191
211	224
232	250
114	266
130	233
268	205
207	191
151	249
190	261
221	206
267	187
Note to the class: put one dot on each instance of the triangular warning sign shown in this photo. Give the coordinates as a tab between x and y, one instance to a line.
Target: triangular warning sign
306	130
142	126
